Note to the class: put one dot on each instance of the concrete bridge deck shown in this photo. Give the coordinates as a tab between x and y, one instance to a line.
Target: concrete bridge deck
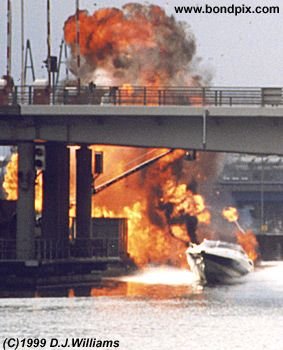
249	129
235	120
231	119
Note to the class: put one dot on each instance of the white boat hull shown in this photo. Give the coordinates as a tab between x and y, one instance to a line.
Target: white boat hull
218	264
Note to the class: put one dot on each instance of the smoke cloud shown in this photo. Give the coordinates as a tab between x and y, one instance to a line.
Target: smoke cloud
138	44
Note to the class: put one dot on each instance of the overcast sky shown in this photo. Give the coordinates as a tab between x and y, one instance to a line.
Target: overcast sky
246	50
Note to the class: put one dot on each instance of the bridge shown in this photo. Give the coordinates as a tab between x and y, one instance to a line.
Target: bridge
214	119
248	120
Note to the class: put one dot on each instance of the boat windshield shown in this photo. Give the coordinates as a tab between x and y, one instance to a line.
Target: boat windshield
221	244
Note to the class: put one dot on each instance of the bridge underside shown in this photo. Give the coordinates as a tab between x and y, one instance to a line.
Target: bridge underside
224	129
234	129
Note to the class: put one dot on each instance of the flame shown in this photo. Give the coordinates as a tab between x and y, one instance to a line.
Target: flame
204	217
154	236
231	214
246	239
10	183
155	202
138	44
249	243
128	89
148	241
38	193
185	202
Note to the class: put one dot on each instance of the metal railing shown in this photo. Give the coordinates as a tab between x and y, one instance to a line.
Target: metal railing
7	249
97	247
143	96
50	249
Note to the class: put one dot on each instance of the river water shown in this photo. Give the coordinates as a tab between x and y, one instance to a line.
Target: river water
160	308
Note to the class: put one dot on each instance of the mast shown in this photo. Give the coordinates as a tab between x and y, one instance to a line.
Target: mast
48	42
30	65
78	42
9	38
23	82
63	52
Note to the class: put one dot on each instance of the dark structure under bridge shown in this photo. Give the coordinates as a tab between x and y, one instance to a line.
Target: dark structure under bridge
245	120
62	261
255	183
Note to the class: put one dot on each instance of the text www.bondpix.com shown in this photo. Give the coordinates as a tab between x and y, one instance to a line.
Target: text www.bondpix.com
235	10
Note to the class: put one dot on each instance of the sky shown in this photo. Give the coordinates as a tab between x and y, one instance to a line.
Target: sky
243	51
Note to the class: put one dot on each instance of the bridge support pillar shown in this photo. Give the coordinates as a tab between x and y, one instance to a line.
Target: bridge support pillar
25	246
83	199
56	184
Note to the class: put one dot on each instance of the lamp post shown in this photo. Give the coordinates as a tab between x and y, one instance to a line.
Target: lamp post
262	223
78	43
22	44
9	38
48	42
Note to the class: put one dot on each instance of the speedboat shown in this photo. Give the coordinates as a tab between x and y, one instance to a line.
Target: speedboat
218	261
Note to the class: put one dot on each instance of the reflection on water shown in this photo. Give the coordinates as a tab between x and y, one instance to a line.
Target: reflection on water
153	282
156	283
149	316
162	282
164	275
110	289
139	290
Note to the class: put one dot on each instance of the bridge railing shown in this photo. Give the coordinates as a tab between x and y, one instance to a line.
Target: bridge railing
7	249
143	96
97	247
51	249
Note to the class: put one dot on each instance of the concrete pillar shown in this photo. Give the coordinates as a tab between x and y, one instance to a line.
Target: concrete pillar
25	246
56	193
83	199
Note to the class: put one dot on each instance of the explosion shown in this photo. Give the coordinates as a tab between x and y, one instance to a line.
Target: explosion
231	214
247	238
10	183
137	45
164	203
161	202
249	243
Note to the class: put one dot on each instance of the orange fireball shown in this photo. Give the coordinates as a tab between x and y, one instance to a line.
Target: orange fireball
137	44
231	214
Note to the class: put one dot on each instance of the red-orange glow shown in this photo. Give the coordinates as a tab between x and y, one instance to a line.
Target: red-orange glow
154	200
131	289
153	236
231	214
137	44
246	239
10	183
71	293
249	243
128	89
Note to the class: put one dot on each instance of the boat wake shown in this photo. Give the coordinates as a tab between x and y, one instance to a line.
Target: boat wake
164	275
